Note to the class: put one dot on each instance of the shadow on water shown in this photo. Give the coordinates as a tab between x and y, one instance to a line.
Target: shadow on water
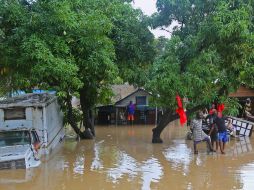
123	157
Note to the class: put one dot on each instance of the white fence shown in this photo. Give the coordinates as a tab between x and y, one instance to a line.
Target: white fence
243	127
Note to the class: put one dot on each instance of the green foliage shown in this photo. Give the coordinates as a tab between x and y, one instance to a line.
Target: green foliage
73	46
160	45
76	113
67	44
133	43
248	75
165	74
209	54
232	106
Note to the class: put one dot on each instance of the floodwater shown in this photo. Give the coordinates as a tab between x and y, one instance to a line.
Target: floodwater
123	157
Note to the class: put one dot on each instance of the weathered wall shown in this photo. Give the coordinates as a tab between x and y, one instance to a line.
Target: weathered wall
1	116
54	120
37	119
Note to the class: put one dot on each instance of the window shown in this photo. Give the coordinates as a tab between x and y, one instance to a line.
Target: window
14	113
141	100
12	138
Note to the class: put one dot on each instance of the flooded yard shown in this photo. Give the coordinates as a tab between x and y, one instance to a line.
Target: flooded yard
123	157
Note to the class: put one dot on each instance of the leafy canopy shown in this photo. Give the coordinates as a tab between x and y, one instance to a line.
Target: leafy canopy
69	45
76	47
209	53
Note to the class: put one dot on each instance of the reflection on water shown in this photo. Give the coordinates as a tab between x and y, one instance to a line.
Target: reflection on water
126	165
242	145
78	165
97	163
124	158
16	176
180	156
151	172
247	176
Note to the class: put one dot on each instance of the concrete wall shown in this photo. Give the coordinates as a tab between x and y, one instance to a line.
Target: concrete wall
37	118
54	121
1	116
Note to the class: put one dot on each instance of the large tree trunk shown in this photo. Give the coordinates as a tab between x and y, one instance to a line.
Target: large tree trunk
86	107
71	118
168	117
88	121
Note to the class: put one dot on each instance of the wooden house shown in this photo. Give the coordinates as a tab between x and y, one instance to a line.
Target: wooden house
116	113
242	94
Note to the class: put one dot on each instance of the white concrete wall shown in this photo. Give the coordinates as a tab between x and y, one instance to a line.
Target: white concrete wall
54	120
37	119
1	116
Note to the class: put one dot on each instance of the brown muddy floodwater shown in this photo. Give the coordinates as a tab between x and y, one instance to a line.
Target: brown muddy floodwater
123	157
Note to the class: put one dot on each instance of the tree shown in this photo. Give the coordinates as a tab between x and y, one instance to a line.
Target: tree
133	43
205	56
75	47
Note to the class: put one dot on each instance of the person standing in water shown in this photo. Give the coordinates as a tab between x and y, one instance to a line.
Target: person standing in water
131	112
222	131
198	134
213	133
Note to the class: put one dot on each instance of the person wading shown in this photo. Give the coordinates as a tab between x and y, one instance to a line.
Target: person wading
222	132
198	134
213	133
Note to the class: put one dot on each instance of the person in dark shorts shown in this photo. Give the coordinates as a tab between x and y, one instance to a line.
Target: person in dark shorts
222	132
213	133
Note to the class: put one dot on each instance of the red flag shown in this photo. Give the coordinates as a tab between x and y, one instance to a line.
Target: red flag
182	115
179	101
180	110
220	107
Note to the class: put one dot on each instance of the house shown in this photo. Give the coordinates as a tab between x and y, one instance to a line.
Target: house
116	113
242	94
